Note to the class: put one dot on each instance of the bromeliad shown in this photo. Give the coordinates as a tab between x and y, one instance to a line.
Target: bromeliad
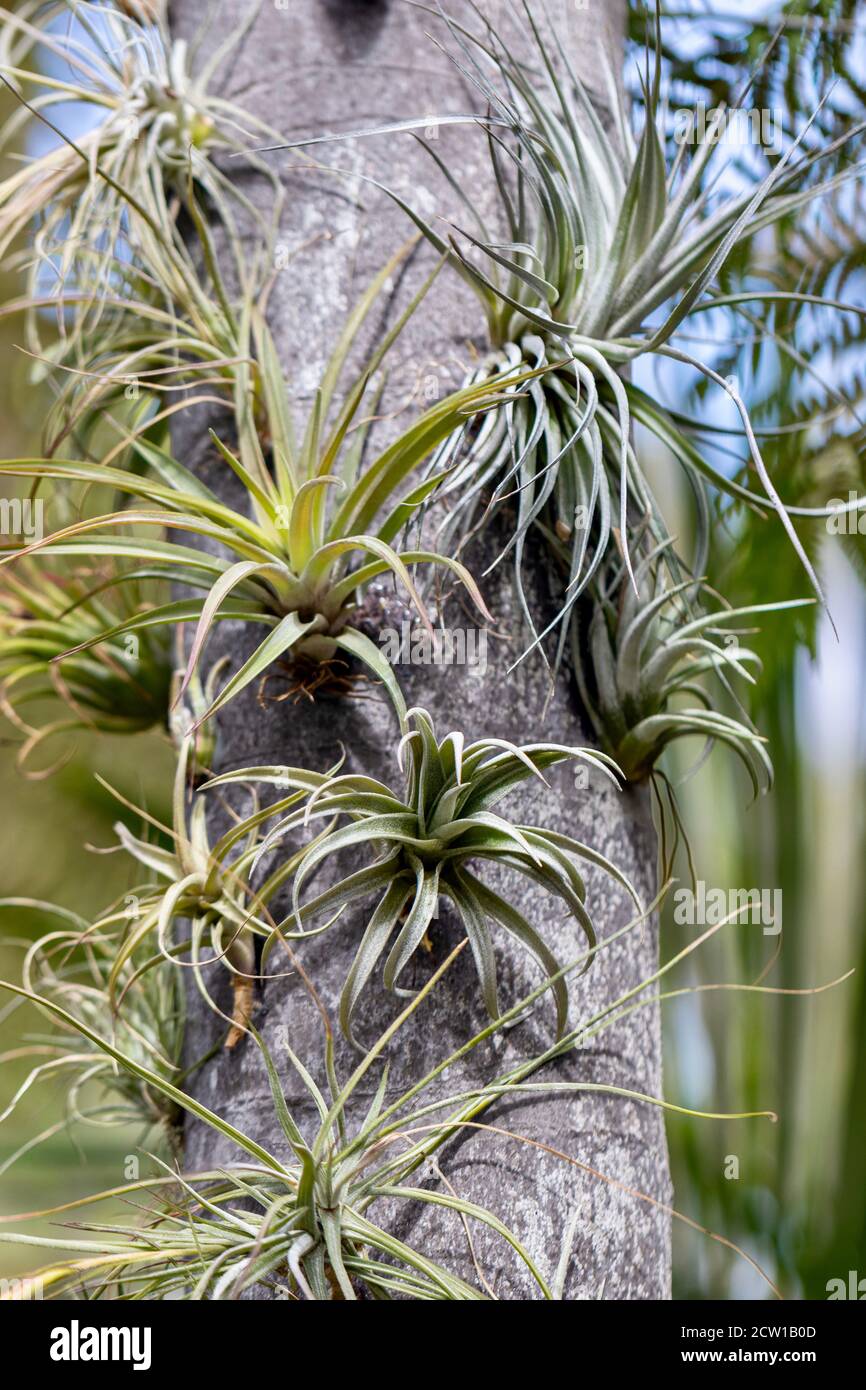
120	686
291	564
423	840
607	249
646	648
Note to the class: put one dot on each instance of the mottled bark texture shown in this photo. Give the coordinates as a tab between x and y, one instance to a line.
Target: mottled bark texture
321	65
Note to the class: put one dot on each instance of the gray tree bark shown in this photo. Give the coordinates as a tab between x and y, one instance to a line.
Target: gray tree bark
338	65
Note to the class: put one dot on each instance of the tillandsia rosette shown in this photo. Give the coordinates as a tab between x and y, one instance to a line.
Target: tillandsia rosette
198	906
655	662
107	253
423	840
289	562
608	249
314	506
306	1226
118	686
69	966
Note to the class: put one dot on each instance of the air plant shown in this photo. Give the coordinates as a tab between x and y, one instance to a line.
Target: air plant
107	254
287	566
654	667
204	884
606	252
69	966
119	686
422	841
302	1227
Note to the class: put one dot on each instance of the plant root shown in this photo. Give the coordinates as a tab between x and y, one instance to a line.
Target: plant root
309	679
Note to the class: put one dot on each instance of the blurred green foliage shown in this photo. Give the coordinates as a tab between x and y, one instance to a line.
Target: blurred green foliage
44	829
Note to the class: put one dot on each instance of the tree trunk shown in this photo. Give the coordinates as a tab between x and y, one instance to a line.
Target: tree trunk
339	65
